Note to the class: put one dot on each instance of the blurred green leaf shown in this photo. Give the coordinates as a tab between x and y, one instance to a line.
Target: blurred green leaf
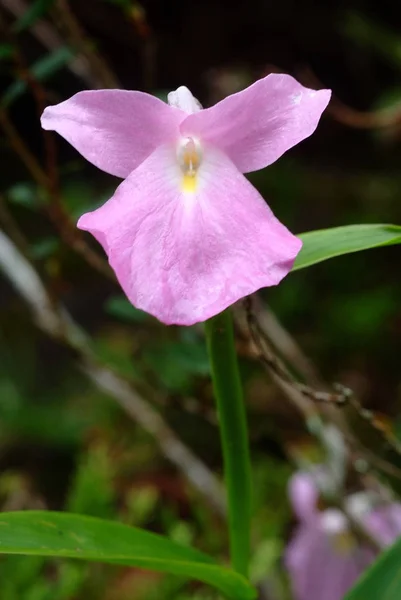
79	196
176	363
141	503
328	243
45	533
38	9
362	316
371	34
56	425
92	491
42	70
121	308
382	581
20	571
117	358
44	248
23	193
71	578
182	533
6	51
266	555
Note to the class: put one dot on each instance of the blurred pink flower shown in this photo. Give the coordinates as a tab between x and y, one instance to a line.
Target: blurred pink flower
323	558
186	234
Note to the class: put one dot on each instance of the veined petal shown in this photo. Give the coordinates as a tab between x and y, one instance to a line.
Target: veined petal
256	126
184	253
116	130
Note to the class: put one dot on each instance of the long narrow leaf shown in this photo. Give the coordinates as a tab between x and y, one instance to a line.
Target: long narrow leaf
42	70
38	9
327	243
43	533
382	581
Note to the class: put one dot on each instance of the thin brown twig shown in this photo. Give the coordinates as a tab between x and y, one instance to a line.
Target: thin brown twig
273	331
11	226
352	117
48	36
285	344
22	150
48	179
341	398
305	400
137	15
56	212
39	95
373	459
79	40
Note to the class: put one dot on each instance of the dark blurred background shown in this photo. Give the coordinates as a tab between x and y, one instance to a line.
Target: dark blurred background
66	445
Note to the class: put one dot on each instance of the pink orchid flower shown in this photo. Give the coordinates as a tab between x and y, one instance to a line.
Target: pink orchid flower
186	234
324	559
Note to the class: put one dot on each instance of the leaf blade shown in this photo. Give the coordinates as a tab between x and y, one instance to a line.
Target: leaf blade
37	10
42	70
324	244
66	535
382	580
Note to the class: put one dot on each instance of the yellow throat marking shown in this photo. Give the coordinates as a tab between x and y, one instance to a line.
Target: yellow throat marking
190	159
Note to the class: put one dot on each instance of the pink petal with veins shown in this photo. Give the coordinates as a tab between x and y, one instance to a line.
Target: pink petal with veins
256	126
116	130
186	256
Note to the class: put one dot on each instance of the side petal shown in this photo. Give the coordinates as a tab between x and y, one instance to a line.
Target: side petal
256	126
115	130
384	523
185	256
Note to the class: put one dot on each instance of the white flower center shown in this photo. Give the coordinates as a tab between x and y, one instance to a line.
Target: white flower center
334	521
335	525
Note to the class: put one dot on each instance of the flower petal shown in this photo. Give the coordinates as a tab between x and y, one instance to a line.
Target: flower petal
184	256
385	523
115	130
256	126
317	570
304	495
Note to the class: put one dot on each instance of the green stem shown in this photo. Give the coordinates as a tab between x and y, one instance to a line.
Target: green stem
234	435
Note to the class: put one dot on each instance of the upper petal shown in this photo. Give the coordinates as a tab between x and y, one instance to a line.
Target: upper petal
183	99
304	495
114	129
186	256
256	126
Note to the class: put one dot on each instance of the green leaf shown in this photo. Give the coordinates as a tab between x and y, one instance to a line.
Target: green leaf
44	248
31	14
24	194
228	393
6	51
121	308
328	243
42	70
43	533
92	491
382	581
